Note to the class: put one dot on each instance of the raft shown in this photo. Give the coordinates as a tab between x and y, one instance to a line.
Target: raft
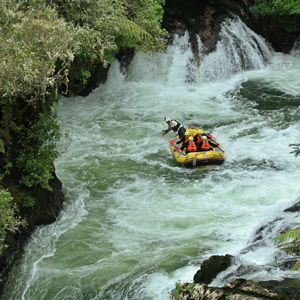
215	156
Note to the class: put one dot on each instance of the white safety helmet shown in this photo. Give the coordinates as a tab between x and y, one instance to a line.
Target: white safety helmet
167	119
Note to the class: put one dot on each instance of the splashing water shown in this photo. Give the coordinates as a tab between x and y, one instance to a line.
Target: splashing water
134	222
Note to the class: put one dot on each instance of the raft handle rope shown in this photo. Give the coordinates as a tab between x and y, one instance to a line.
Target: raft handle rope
195	160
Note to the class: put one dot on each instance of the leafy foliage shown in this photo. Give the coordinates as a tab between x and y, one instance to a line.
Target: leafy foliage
107	25
28	201
283	10
45	44
148	15
183	289
38	151
32	40
291	243
8	221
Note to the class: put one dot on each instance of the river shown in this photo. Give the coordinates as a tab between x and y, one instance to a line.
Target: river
134	223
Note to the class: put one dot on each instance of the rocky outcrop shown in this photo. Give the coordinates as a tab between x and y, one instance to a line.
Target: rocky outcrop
45	211
211	267
267	26
200	18
239	289
242	289
203	18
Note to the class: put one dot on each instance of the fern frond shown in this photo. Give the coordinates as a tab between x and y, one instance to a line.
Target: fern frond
292	239
296	266
131	31
290	247
288	235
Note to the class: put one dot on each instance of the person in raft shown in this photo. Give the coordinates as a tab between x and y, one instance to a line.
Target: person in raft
204	145
198	137
190	146
211	140
175	126
185	138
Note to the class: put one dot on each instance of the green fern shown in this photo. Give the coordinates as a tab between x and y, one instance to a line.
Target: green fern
296	266
291	243
131	32
288	235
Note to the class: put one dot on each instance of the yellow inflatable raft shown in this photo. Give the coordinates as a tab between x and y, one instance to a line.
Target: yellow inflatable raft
215	156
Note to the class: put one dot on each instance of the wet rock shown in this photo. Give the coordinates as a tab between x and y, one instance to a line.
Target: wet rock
200	18
288	286
211	267
249	287
239	289
98	77
48	205
294	208
203	18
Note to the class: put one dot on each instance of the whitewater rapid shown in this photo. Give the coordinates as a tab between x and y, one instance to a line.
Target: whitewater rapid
134	223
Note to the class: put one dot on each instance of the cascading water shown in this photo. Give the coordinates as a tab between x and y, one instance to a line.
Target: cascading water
134	223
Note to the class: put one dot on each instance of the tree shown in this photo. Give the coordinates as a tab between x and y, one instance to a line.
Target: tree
32	41
107	25
285	11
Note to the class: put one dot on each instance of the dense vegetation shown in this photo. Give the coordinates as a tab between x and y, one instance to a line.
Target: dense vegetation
45	45
285	11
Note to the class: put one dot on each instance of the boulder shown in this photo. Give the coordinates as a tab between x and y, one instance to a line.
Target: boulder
211	267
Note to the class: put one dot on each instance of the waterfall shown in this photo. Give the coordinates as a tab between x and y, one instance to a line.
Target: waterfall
238	49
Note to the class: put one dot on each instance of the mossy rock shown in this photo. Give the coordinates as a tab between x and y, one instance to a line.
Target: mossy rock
211	267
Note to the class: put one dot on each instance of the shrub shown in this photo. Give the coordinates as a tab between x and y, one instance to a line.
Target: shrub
8	221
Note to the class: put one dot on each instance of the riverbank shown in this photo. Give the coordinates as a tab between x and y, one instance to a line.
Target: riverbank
231	267
47	207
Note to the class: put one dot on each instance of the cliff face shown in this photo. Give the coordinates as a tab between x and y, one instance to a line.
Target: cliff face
203	18
45	211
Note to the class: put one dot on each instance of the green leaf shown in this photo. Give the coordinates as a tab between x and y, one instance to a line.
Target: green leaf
2	149
296	266
288	235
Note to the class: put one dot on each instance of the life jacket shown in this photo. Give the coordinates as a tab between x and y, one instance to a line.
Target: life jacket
191	147
211	139
198	138
186	139
175	128
205	145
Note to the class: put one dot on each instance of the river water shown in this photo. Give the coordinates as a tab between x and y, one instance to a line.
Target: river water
134	223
